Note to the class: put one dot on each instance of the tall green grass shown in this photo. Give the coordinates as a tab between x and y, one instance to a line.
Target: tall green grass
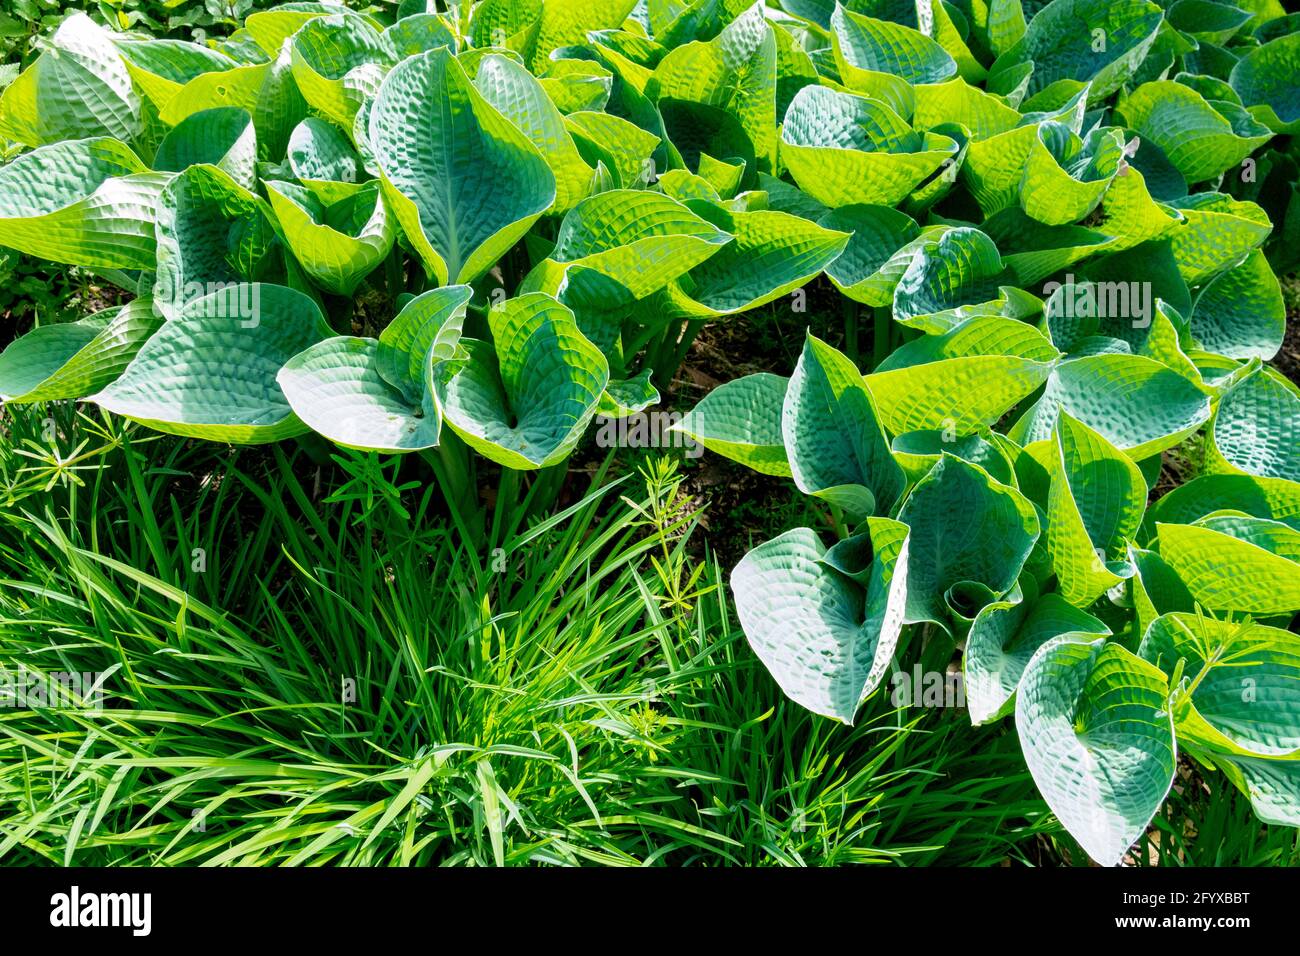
306	666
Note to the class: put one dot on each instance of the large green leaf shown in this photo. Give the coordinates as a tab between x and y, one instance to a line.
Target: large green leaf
1219	232
1094	507
74	359
567	22
463	181
844	149
963	379
832	434
960	267
826	638
1097	736
380	395
334	59
1196	136
324	160
1274	498
78	87
1065	176
881	245
160	67
1265	79
337	245
771	255
265	90
210	371
1236	563
735	72
1003	639
519	97
1243	691
223	137
1240	313
525	399
87	202
1256	428
884	60
211	232
641	240
1086	41
741	420
970	538
1137	404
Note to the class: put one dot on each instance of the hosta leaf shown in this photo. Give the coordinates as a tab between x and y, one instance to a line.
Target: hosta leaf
210	372
1198	140
502	23
380	395
831	432
1256	428
1274	498
623	147
826	639
211	231
567	22
1131	215
970	537
576	85
337	245
771	255
639	239
881	244
1065	176
1206	20
464	182
270	28
1097	736
1244	697
411	36
161	67
1232	563
918	452
1004	638
1240	313
514	92
266	90
1155	589
627	396
78	87
86	202
982	113
884	60
994	166
844	149
223	137
734	72
741	420
961	267
525	400
325	50
427	326
963	379
1089	41
324	160
1136	403
1219	232
1273	786
75	359
1094	507
335	388
1265	79
1033	250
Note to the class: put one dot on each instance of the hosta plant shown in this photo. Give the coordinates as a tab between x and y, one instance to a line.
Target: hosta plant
476	227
